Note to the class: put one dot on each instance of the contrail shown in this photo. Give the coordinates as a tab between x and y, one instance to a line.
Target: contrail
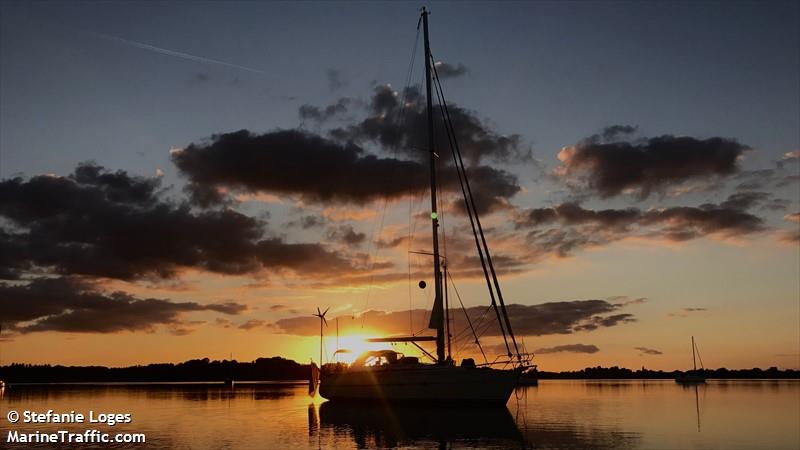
165	51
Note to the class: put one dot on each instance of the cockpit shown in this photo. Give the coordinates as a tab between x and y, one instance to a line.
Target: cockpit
379	358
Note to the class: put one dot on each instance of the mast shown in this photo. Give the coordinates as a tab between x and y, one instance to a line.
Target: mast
437	316
694	361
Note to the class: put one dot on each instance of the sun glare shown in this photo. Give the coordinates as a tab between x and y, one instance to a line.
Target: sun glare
351	346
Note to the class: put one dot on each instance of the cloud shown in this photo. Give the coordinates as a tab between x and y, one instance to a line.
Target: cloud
684	312
252	324
318	170
570	348
568	227
565	317
624	300
648	351
610	168
346	235
447	70
793	156
613	132
111	224
310	221
792	236
72	305
398	123
317	114
335	81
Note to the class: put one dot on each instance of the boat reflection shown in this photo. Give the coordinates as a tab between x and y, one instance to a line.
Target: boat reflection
380	425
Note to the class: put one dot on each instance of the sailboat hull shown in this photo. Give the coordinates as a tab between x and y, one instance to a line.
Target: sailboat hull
422	383
690	379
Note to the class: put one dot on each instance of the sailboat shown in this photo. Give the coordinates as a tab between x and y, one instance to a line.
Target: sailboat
692	376
389	376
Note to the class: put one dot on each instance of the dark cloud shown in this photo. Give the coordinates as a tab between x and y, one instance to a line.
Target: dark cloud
72	305
647	165
787	180
317	114
570	348
529	320
110	224
574	214
648	351
579	227
309	221
399	123
617	131
623	300
447	70
294	162
607	321
683	223
346	235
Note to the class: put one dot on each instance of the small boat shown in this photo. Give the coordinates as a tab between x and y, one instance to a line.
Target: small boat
693	376
390	376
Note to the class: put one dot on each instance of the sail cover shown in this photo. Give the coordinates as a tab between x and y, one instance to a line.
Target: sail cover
437	314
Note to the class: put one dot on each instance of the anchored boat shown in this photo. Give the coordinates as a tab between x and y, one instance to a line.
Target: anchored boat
389	376
693	376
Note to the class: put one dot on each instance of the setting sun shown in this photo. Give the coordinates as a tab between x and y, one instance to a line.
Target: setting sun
350	347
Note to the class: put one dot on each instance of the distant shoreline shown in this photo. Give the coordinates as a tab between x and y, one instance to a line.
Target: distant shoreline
276	369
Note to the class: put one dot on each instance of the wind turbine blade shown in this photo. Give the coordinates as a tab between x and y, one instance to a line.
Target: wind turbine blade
326	310
324	320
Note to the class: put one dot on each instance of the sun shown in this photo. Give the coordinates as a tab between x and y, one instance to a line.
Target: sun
351	346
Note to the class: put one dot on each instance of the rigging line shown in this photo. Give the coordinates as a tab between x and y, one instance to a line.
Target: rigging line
480	228
408	261
440	200
702	366
470	206
479	322
400	118
455	289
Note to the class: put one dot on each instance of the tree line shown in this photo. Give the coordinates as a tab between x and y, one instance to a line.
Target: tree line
281	369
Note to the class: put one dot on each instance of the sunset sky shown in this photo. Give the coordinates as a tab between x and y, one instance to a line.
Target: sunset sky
183	180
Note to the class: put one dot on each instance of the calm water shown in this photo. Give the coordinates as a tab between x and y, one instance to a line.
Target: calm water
556	414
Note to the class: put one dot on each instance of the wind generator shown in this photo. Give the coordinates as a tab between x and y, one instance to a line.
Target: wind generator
322	320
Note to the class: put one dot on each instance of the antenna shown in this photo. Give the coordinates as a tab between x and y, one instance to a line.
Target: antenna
322	320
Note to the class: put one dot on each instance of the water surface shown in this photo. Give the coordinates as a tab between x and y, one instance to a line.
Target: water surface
607	414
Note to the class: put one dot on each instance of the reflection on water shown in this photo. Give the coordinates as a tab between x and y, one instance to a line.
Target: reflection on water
555	415
385	426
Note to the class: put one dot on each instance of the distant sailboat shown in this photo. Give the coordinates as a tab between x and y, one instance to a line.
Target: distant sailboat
389	376
692	376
